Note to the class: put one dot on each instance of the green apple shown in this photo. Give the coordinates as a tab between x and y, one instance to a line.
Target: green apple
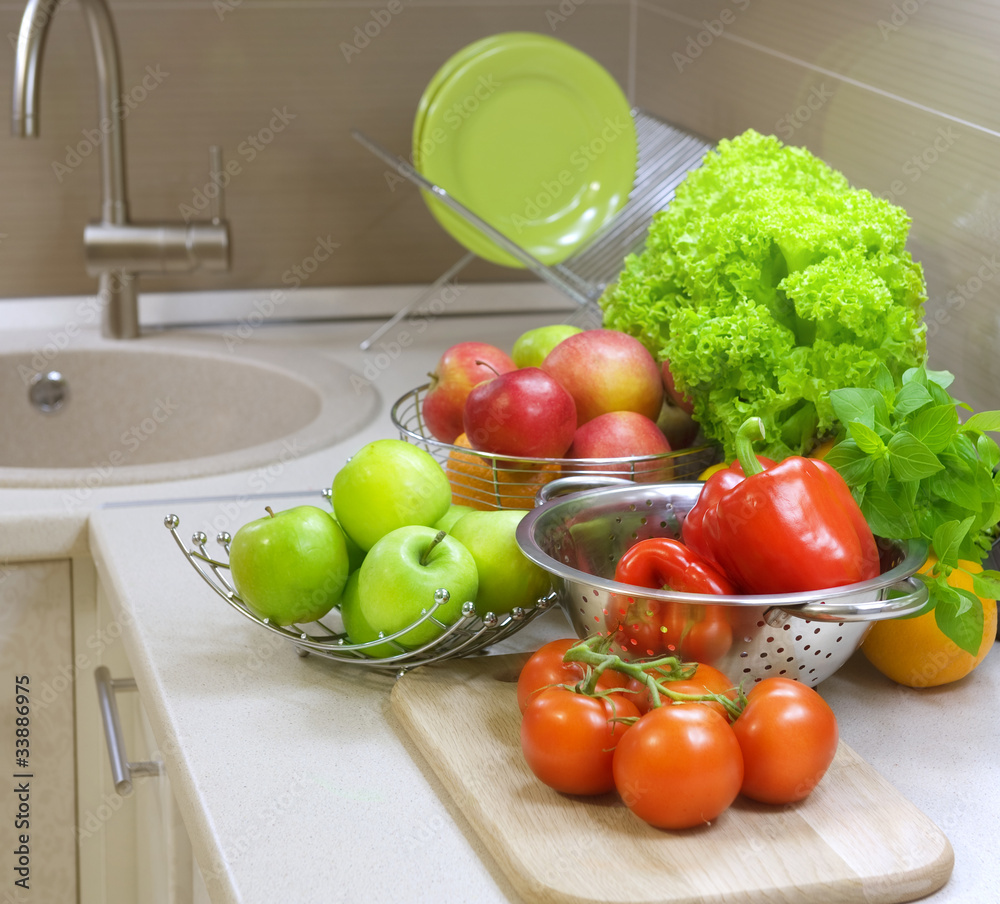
507	578
355	626
389	483
451	516
400	575
355	554
531	347
290	567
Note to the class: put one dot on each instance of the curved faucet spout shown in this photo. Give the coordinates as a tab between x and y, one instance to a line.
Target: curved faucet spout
27	77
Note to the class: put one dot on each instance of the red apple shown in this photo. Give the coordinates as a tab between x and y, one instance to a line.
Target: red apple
623	434
674	394
460	368
522	413
604	371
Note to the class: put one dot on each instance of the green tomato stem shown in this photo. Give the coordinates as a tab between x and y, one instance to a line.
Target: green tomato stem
752	430
595	654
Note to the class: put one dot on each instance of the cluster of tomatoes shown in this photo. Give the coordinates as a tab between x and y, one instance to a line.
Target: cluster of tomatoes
676	740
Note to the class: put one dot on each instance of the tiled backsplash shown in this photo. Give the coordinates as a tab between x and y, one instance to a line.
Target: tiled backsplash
901	95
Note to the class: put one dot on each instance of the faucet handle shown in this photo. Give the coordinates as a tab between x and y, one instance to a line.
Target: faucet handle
217	175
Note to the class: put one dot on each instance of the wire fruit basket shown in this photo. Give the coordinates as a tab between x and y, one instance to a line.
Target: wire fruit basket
470	635
485	481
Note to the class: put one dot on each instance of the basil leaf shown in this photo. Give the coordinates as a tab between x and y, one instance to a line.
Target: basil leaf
912	397
943	378
956	484
850	462
915	375
884	383
881	471
866	437
851	405
910	459
959	615
988	450
983	421
947	538
885	517
935	426
986	584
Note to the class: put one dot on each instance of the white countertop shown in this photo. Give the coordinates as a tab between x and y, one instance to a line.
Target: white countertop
295	781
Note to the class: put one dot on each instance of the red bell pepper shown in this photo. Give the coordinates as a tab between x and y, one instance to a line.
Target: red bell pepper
662	563
720	483
790	527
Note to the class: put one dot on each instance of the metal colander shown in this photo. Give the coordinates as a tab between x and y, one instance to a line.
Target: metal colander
579	538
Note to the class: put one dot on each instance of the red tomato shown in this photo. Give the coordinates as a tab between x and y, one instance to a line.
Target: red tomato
788	735
546	668
569	739
709	638
678	766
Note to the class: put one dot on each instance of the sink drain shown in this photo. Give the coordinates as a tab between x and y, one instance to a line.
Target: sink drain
48	392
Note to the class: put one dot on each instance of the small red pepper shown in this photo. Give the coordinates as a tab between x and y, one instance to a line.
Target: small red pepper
662	563
790	527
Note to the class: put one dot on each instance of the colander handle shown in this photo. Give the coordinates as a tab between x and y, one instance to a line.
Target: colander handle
561	486
914	598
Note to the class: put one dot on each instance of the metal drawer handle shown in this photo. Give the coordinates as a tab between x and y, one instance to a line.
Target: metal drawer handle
122	771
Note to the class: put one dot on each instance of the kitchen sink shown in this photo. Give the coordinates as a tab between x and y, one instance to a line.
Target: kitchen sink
152	410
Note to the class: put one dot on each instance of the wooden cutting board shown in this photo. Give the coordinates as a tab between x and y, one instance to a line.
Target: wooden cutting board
855	838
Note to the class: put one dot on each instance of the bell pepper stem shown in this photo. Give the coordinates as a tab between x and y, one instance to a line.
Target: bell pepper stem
751	431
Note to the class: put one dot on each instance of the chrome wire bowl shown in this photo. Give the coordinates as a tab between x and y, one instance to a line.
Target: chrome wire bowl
470	635
485	481
578	537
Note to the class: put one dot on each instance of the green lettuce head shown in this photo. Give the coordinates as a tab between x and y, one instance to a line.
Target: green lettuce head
768	282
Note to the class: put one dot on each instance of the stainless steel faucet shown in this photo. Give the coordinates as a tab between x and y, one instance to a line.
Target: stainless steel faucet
116	250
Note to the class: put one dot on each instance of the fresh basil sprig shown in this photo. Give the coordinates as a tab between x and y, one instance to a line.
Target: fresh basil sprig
917	472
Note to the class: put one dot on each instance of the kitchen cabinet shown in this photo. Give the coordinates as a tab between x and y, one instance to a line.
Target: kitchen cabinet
38	812
133	848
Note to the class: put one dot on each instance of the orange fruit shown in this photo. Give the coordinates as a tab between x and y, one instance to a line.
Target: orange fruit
914	651
490	483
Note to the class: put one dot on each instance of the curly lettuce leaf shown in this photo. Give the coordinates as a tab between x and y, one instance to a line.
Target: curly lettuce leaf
768	282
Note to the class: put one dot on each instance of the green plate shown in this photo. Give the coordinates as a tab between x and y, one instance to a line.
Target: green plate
440	77
534	137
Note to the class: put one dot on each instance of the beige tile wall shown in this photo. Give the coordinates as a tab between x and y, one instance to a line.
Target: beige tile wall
223	68
902	95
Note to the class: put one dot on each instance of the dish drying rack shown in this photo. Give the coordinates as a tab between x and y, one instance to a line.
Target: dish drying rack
469	635
666	154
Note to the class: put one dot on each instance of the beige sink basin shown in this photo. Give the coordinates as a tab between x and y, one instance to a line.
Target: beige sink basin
149	410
